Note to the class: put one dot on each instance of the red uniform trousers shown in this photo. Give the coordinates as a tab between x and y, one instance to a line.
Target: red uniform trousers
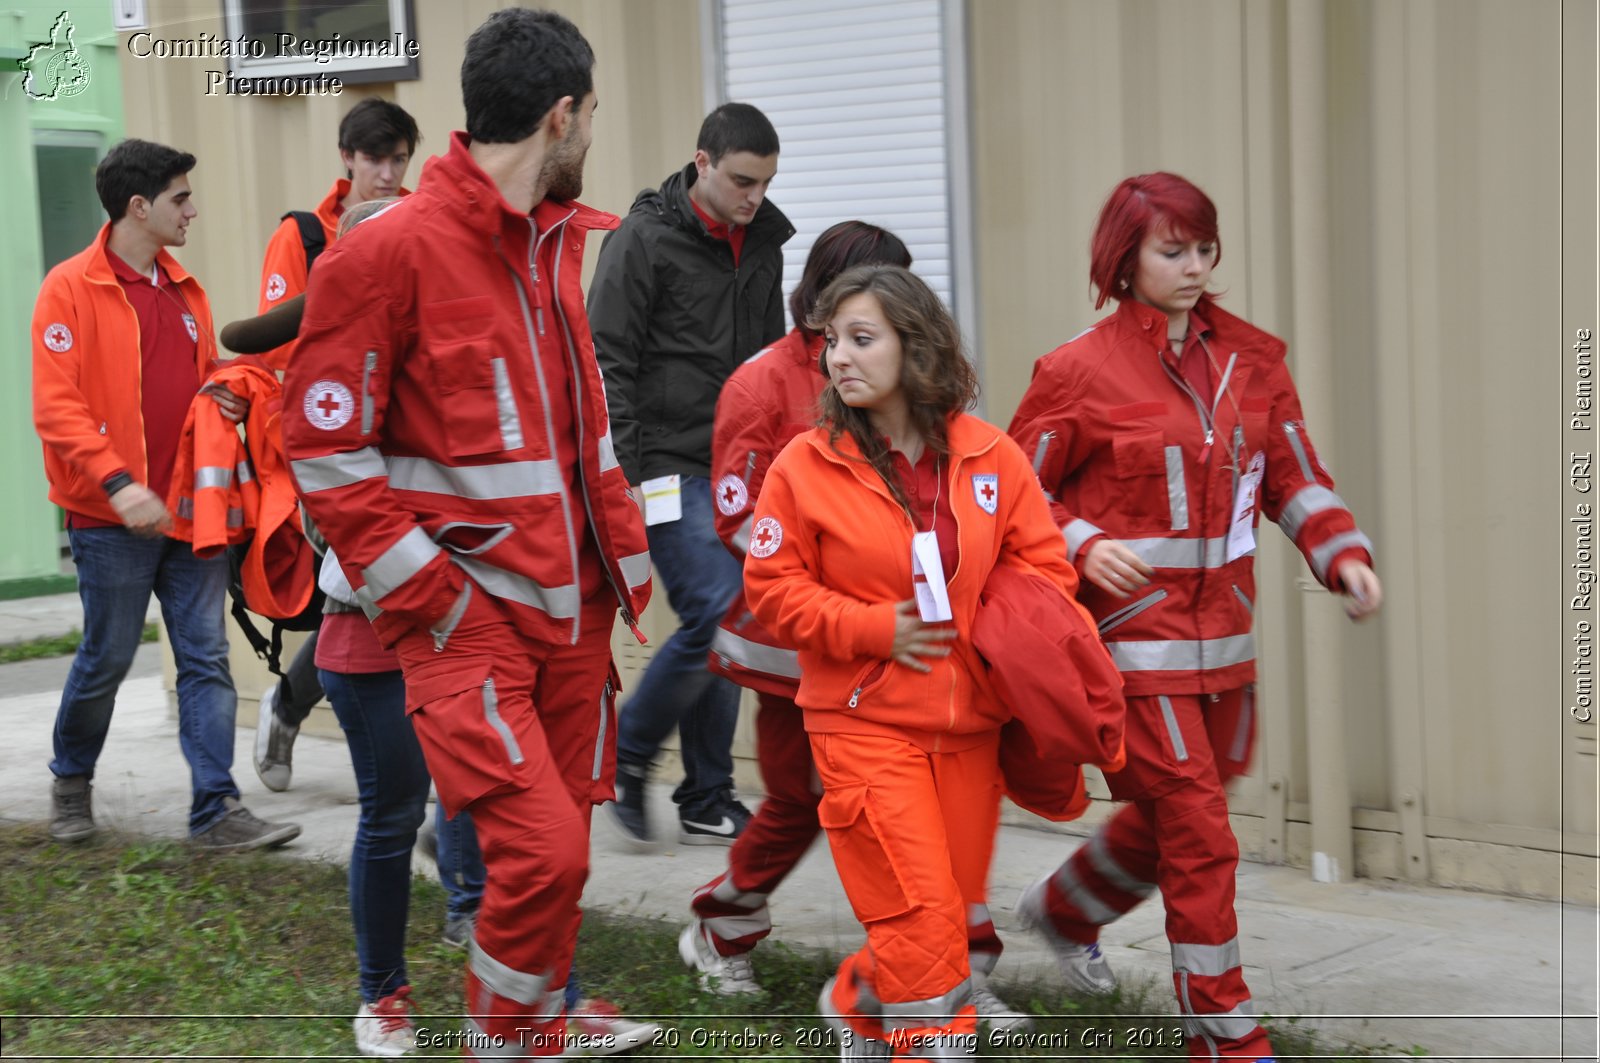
912	833
733	906
520	733
1174	834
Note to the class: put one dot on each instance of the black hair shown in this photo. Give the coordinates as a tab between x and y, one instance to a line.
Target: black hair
519	63
137	168
737	127
377	127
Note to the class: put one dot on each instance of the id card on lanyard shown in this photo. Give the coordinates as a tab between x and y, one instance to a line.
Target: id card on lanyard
927	576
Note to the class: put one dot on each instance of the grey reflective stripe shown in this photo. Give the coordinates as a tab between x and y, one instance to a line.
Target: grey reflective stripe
408	556
1182	655
491	713
244	472
506	403
1306	503
1323	555
1241	737
1040	450
608	453
1179	748
635	569
1128	612
368	366
725	892
1212	961
1234	1025
1177	489
741	535
1092	908
447	626
771	660
1099	854
560	603
235	517
978	914
1077	532
1167	552
600	736
933	1011
1191	1029
510	479
1299	447
338	470
733	927
521	986
213	476
1243	599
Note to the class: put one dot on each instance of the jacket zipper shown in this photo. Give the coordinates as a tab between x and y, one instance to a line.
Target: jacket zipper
623	598
749	471
369	366
600	739
1128	612
1040	451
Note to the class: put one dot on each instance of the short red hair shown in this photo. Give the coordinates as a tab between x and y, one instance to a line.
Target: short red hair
1135	208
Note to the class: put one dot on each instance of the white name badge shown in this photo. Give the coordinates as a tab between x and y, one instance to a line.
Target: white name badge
663	500
1241	532
927	575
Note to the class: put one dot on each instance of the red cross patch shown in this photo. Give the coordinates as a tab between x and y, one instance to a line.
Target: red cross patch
328	405
986	489
276	286
732	495
58	338
765	537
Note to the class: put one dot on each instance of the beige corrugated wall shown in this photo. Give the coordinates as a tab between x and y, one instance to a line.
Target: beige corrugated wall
1388	176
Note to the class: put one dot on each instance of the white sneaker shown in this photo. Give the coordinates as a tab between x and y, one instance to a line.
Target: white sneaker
383	1028
1082	967
596	1028
727	975
994	1012
274	744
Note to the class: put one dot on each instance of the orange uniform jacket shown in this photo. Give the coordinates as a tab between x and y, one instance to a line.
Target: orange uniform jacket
830	556
87	375
284	270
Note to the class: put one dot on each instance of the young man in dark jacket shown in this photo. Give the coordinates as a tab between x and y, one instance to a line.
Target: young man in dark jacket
690	286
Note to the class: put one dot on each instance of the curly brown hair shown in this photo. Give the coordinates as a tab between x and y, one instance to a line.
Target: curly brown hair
935	374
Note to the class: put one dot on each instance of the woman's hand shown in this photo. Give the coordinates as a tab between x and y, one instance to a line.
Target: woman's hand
1115	569
914	640
1363	593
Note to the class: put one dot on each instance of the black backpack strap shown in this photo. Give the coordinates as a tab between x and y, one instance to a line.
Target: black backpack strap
269	650
312	238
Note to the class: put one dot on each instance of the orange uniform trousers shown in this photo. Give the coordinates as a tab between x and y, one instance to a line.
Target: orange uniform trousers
1174	834
520	733
912	833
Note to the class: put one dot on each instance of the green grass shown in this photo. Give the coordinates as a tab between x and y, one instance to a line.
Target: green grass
56	646
123	948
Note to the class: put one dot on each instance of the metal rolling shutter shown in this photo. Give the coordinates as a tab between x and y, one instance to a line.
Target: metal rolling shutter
858	93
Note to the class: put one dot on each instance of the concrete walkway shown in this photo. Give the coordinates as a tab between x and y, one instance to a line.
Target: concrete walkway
1460	975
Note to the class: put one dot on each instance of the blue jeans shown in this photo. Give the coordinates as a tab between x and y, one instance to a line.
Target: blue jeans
117	572
460	863
392	783
677	690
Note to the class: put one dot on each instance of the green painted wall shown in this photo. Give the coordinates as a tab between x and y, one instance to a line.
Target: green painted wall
52	146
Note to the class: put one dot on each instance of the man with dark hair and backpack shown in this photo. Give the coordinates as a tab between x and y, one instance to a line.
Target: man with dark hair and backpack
376	141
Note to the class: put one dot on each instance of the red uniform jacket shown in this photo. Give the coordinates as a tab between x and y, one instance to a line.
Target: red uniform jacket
1125	448
830	556
415	412
767	401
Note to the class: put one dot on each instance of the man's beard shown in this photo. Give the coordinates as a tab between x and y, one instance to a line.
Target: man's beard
563	174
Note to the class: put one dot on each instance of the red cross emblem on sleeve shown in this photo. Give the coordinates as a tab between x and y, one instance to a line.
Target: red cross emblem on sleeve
765	537
986	490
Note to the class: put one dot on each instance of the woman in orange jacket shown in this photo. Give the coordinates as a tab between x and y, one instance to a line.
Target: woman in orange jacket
903	722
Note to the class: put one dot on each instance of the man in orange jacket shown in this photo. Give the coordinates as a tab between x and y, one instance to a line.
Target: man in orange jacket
376	141
121	342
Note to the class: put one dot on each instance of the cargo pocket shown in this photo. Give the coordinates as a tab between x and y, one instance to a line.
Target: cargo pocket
1140	457
471	748
477	406
872	882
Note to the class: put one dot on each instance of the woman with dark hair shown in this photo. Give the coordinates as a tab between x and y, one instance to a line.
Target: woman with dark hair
873	536
1159	435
